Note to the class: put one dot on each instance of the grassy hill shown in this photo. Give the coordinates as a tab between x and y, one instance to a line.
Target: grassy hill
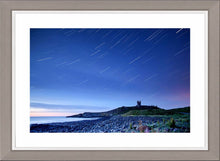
158	111
134	111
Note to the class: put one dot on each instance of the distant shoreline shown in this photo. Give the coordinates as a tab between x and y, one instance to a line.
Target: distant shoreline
55	119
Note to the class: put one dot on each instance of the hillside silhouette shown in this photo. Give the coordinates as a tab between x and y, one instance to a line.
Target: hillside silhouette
134	110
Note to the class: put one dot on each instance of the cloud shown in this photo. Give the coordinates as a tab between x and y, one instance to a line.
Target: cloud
41	109
57	107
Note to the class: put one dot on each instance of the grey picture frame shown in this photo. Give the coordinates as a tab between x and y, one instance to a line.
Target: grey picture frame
6	8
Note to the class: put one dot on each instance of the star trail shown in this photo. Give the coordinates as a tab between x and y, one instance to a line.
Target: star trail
102	69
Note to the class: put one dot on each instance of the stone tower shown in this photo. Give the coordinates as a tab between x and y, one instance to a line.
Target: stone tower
138	103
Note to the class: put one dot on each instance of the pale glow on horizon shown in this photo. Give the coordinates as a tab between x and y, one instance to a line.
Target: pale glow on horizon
39	114
40	109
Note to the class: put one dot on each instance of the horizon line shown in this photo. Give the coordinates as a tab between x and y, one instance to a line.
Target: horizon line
98	111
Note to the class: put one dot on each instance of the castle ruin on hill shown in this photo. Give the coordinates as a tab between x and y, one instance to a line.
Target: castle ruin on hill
138	103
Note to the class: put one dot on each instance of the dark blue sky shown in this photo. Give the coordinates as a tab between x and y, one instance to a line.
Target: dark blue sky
101	69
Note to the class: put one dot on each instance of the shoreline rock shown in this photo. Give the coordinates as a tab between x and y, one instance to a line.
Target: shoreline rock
114	124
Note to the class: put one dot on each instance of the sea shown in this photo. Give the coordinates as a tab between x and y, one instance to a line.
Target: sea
56	119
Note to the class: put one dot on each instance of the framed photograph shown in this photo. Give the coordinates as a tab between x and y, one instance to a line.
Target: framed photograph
103	65
104	80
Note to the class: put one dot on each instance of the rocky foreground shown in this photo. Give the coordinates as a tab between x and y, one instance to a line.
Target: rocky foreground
117	124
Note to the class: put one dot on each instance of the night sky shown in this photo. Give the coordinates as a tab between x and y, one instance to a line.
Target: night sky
82	70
